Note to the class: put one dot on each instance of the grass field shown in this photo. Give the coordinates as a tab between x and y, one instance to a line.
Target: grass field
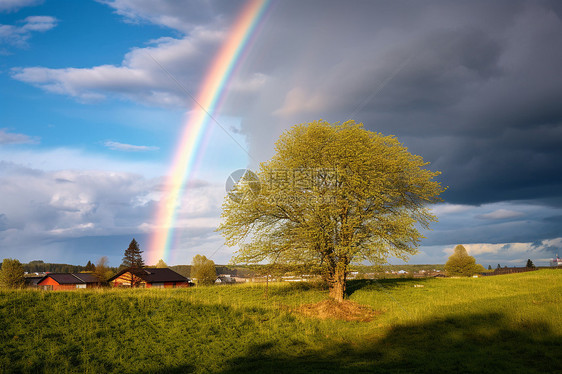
510	323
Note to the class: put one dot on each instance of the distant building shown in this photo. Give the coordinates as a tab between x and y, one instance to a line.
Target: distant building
32	281
225	279
67	281
149	277
556	261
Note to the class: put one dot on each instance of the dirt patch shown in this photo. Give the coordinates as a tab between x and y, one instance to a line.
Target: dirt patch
331	309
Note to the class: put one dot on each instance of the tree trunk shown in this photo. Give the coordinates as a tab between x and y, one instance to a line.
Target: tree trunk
337	284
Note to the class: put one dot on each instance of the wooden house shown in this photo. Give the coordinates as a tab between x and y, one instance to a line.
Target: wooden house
148	278
68	281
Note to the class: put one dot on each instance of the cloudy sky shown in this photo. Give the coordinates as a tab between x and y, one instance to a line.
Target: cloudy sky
94	95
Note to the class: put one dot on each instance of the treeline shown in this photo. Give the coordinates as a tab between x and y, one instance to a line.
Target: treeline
365	269
39	266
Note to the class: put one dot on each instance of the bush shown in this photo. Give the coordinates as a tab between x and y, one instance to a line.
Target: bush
460	263
12	274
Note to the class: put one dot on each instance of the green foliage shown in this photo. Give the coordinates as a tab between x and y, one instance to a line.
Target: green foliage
530	264
132	257
460	263
90	267
102	270
12	274
39	266
332	194
463	324
161	264
203	270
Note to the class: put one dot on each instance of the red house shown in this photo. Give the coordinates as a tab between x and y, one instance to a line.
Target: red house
68	281
149	277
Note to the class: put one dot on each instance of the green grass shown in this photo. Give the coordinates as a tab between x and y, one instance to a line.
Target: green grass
492	324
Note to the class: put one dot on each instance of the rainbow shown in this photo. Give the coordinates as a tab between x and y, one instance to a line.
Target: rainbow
209	96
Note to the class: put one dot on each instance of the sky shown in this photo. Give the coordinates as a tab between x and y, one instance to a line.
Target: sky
94	96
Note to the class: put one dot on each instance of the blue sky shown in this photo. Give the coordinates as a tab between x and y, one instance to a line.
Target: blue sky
89	121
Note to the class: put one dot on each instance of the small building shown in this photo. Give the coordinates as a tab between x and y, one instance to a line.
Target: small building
225	279
556	262
68	281
32	281
148	278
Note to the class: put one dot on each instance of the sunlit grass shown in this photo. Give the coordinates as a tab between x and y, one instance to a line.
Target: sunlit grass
458	323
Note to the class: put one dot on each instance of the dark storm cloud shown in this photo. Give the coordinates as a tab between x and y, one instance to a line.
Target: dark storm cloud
474	88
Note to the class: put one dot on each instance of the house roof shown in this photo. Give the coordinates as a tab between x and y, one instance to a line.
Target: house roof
153	275
71	278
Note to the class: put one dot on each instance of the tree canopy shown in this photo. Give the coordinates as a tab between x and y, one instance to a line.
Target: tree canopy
12	274
203	270
102	270
460	263
331	194
161	264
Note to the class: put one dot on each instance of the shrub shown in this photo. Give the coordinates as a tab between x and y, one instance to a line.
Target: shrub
460	263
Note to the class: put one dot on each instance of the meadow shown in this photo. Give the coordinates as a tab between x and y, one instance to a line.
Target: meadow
508	323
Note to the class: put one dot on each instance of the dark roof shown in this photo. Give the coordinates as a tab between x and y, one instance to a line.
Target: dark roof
153	275
32	281
75	278
87	277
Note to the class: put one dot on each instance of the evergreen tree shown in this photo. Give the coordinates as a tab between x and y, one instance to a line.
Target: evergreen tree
132	257
90	266
530	264
499	267
489	267
12	274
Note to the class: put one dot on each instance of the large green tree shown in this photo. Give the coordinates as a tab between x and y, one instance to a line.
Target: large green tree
460	263
12	274
203	270
331	194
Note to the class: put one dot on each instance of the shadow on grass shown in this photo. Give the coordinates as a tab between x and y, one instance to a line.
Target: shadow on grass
292	287
381	284
470	344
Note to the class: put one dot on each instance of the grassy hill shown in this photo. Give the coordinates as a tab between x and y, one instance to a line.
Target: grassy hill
503	323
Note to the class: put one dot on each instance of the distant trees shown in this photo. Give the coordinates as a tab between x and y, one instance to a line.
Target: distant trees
89	266
132	257
12	274
161	264
203	270
530	264
489	267
460	263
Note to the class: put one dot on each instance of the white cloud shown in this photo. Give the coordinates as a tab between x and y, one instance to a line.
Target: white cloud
15	138
18	35
501	214
143	76
75	159
129	147
508	250
13	5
